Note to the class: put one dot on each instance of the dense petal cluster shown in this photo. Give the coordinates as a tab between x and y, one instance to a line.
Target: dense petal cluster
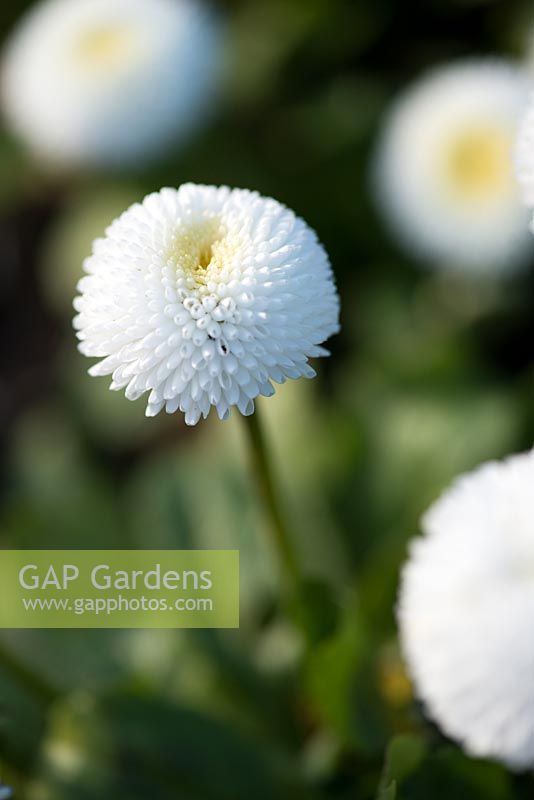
444	175
110	82
204	296
466	611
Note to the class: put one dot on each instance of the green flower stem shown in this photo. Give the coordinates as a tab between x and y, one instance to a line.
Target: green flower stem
267	487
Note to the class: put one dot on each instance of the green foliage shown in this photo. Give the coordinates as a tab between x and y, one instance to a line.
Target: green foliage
404	755
429	377
131	745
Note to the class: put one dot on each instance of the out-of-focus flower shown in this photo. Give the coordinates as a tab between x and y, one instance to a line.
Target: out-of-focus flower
202	296
110	82
5	792
525	157
466	611
444	167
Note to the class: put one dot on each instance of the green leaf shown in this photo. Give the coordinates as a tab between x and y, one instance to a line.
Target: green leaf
136	746
339	684
404	755
448	772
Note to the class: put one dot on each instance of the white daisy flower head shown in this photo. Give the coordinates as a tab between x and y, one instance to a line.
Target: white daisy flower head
5	792
110	82
443	171
466	612
204	296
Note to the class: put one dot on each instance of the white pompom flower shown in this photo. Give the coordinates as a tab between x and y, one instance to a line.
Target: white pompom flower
110	82
203	296
444	173
466	612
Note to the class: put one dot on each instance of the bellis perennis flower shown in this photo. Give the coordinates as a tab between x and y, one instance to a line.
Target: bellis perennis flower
110	82
444	167
204	296
466	611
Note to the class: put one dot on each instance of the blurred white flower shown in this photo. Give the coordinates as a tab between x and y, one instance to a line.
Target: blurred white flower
110	82
466	611
202	296
444	167
5	792
525	156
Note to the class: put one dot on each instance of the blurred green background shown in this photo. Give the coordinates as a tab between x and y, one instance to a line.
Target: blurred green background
430	375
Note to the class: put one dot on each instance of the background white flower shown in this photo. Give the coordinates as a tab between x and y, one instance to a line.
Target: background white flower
202	296
525	156
466	611
110	82
444	167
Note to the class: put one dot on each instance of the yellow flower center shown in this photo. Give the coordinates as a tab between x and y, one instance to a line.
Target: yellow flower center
105	46
477	163
200	250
